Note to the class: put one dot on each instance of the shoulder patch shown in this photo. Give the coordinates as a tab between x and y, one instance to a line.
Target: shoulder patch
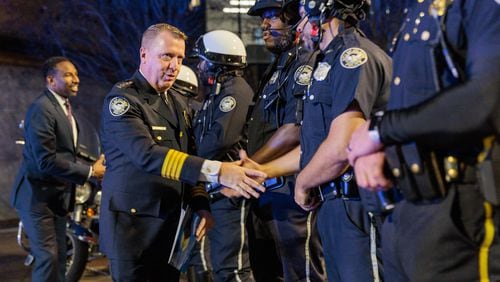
321	71
118	106
353	58
124	84
303	74
227	104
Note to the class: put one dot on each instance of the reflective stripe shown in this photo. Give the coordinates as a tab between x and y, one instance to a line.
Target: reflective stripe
307	250
202	254
172	165
489	233
242	242
373	249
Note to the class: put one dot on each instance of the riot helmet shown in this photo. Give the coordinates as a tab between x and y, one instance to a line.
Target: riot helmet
186	82
221	52
350	11
279	35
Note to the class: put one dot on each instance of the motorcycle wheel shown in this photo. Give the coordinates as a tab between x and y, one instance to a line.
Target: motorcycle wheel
77	254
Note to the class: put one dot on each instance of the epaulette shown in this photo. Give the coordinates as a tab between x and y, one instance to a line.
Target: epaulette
124	84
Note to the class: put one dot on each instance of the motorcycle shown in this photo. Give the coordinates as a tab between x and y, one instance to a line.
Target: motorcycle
82	232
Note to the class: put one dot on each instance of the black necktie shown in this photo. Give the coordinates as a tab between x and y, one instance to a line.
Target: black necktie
170	104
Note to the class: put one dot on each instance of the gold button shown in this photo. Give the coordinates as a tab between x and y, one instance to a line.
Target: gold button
451	160
420	1
158	138
422	14
452	173
132	210
396	172
397	80
406	37
181	134
415	168
425	35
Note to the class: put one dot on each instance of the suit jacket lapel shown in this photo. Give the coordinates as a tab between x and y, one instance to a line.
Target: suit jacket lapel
61	117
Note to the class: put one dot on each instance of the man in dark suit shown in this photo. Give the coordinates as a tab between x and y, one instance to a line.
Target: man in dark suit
145	141
44	187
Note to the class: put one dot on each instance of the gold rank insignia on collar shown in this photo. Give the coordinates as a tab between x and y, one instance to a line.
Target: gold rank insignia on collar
302	75
124	84
438	7
353	58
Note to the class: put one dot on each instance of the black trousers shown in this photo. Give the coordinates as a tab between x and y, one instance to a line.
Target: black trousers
46	232
454	239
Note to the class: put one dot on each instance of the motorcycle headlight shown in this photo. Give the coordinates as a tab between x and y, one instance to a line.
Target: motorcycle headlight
97	198
82	193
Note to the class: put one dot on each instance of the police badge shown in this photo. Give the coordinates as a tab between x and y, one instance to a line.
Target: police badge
227	104
118	106
321	71
302	75
353	58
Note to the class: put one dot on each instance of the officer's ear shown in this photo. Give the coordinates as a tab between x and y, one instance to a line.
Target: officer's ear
142	54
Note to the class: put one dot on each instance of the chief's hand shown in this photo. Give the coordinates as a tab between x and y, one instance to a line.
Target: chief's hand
230	193
362	144
206	223
241	179
98	168
369	172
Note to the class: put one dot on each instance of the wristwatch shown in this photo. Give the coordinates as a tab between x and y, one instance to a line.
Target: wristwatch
373	128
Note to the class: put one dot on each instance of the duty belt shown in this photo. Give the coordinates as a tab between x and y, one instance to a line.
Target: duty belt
347	190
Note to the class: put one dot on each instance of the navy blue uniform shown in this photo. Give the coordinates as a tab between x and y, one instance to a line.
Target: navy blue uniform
454	237
276	216
144	143
350	69
219	131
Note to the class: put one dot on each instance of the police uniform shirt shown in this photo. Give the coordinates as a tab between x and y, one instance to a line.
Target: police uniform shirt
276	104
472	34
141	136
227	121
350	68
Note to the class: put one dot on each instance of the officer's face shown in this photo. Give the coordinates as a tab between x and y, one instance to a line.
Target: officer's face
161	60
64	79
304	28
275	32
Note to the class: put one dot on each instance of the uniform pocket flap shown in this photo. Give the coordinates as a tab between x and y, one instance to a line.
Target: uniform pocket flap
135	204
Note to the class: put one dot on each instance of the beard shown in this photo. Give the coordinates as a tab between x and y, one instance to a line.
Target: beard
282	42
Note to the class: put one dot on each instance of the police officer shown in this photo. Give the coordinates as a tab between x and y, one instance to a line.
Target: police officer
444	103
144	139
219	134
186	91
350	81
273	129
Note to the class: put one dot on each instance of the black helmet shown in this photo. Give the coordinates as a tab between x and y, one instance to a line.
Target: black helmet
261	5
351	11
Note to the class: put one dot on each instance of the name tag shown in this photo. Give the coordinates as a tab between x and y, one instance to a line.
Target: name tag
154	127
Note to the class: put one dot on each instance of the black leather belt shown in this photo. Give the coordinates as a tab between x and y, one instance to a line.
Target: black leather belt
329	191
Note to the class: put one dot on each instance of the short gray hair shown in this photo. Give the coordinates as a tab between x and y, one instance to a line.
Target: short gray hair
156	29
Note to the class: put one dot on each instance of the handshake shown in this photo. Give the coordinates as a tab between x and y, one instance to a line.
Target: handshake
242	178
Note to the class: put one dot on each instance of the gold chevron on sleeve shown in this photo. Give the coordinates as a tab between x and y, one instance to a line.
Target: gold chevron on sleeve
172	165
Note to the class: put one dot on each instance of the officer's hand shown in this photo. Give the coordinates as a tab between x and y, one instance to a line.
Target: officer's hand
241	179
98	168
362	144
206	223
369	172
230	193
304	198
247	161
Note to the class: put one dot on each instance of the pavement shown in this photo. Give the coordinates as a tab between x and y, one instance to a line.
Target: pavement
12	268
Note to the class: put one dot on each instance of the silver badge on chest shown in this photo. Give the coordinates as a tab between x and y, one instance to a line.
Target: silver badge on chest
321	71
